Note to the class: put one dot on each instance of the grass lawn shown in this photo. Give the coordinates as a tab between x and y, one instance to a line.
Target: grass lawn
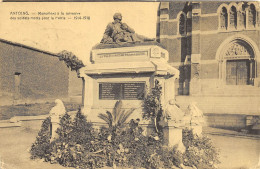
6	112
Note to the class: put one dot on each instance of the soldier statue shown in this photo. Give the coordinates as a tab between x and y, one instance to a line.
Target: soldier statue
117	32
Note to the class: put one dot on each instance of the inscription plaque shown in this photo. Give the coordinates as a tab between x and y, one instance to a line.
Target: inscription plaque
121	91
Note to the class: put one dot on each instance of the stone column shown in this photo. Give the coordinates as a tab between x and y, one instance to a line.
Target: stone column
195	85
87	91
88	95
169	93
55	123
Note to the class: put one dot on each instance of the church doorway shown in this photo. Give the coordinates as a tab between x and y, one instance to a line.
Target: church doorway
237	72
237	63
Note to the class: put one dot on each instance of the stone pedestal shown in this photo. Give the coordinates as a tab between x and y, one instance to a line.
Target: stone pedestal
125	73
55	123
196	129
173	137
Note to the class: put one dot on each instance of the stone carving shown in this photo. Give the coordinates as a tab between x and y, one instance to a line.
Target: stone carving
58	109
172	123
117	32
194	118
195	70
56	112
173	113
237	49
182	24
194	114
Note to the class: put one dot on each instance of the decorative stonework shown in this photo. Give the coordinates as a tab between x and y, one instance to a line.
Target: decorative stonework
237	49
123	73
128	54
195	71
240	16
223	18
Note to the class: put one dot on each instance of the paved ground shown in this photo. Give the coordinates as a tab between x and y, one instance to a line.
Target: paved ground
236	151
15	144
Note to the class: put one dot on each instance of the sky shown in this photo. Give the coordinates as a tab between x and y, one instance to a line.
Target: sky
77	36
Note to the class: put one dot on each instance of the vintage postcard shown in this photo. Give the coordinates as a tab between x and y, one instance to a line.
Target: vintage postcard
165	84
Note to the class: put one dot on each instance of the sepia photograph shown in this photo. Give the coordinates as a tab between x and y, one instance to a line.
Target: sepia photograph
129	85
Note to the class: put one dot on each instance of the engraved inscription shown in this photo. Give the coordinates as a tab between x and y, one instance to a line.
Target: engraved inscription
121	91
122	54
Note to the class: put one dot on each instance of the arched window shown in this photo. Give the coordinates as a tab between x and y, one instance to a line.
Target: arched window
242	17
233	17
223	18
251	16
182	24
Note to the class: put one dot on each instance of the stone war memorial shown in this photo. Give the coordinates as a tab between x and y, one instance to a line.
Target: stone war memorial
123	66
129	115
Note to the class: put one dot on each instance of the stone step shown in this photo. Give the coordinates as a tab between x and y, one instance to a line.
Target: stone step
8	124
232	90
230	105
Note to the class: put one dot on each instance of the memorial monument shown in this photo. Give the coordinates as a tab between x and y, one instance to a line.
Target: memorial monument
123	66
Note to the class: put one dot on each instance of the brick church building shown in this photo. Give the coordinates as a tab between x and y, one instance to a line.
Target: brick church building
215	45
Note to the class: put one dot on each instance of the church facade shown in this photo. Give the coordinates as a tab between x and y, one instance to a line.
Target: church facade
215	45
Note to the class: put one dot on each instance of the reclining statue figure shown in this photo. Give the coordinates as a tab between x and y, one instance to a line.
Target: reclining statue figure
117	32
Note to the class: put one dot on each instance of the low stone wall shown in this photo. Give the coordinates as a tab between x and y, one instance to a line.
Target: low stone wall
227	112
226	121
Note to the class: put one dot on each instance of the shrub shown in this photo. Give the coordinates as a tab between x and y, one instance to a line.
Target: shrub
82	131
41	147
130	148
74	147
117	119
152	105
79	145
199	151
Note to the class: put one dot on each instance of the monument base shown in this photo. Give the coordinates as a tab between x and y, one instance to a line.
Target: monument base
125	73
